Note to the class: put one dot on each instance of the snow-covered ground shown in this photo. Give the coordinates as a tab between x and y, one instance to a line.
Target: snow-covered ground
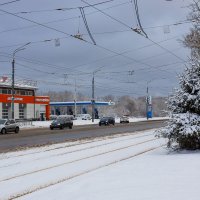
43	124
121	167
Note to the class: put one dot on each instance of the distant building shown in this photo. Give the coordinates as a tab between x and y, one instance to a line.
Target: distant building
26	104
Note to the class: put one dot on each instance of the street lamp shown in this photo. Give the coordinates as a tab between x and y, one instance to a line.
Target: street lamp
13	76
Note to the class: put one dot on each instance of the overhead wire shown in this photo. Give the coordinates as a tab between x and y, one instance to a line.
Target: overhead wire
60	9
43	25
138	20
101	47
127	26
65	19
121	54
86	24
2	4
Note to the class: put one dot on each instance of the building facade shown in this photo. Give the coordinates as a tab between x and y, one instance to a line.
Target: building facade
26	104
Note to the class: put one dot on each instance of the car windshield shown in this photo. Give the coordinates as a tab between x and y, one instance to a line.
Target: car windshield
104	118
57	121
2	121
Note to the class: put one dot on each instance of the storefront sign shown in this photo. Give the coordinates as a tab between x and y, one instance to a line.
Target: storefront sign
16	99
42	100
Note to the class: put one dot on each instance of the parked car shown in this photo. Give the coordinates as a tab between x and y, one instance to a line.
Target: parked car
124	119
62	122
86	117
66	116
107	121
53	117
8	125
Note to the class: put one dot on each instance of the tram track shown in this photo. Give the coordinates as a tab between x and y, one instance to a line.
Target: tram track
77	143
77	160
70	161
67	178
81	149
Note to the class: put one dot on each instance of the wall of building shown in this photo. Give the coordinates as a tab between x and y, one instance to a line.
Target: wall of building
29	111
39	104
0	110
16	113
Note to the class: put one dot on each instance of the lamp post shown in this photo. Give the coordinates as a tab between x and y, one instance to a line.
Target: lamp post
13	77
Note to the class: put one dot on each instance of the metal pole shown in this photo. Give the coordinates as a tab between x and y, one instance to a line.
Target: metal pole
75	113
93	98
13	78
147	102
13	89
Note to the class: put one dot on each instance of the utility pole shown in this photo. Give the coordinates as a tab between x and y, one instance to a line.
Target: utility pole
13	89
13	78
147	101
93	98
75	112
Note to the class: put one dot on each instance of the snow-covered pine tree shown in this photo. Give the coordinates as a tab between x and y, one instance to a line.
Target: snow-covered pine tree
183	129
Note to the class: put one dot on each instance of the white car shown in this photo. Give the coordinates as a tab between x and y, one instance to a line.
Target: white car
124	119
86	117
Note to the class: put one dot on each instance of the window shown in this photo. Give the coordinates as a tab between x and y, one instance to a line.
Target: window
22	92
5	107
30	93
12	121
4	91
21	111
17	92
5	113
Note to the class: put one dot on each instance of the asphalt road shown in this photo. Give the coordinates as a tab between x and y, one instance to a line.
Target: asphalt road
43	136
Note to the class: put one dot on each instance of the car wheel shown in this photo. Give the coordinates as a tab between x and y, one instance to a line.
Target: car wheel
61	127
51	128
70	127
17	130
99	124
3	131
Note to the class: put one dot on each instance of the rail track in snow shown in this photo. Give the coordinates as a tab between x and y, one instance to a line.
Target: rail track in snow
92	153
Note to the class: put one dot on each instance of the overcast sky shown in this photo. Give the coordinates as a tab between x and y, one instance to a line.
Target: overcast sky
124	61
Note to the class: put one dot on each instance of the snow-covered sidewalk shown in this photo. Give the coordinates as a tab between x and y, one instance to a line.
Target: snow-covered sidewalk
126	166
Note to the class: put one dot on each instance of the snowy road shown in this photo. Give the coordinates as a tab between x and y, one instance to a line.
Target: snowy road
25	174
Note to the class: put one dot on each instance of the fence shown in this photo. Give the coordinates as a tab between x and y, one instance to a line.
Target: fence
24	122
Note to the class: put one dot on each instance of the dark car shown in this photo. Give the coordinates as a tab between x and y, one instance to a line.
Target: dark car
8	125
107	121
62	123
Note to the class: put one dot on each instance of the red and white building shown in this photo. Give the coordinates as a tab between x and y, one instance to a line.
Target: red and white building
26	104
